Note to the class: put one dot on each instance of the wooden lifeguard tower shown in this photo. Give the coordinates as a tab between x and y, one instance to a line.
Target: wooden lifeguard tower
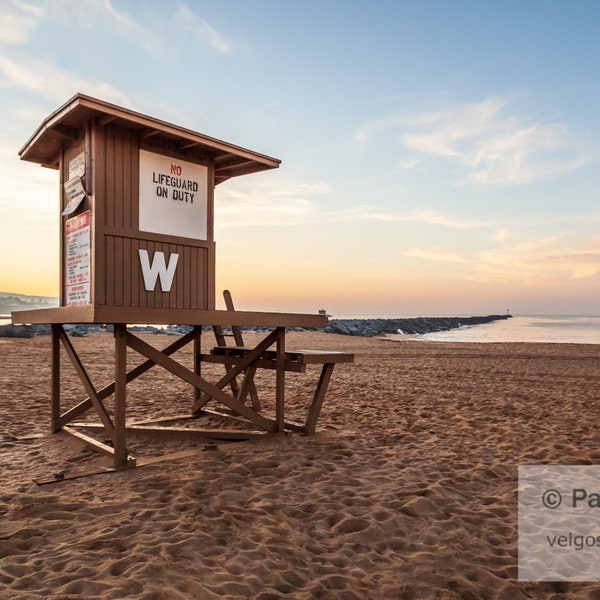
137	198
137	246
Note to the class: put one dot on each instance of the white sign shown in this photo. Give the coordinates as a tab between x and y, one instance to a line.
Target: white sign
77	166
77	263
75	193
173	196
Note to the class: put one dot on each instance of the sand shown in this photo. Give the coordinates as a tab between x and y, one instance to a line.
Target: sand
408	490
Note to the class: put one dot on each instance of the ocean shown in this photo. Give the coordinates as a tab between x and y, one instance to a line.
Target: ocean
554	329
546	329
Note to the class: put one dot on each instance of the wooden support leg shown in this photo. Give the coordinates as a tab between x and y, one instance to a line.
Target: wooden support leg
55	406
280	380
319	396
120	457
197	360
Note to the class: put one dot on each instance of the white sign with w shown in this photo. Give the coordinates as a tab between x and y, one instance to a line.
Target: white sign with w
159	269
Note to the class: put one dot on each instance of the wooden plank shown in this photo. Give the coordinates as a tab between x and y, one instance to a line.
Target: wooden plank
183	373
131	314
312	357
118	179
97	162
109	266
209	294
75	412
240	366
248	386
119	273
87	384
134	282
260	363
319	396
227	414
186	294
157	237
60	315
197	359
193	287
97	445
280	380
237	332
127	269
152	460
182	277
304	357
120	456
55	380
185	433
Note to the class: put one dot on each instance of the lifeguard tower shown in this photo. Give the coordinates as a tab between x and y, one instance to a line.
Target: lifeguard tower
136	226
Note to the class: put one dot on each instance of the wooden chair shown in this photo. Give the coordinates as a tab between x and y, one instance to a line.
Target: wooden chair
295	361
236	333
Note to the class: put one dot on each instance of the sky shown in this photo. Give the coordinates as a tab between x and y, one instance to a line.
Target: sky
438	157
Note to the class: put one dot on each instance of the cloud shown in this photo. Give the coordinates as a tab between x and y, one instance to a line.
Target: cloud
272	201
202	30
437	253
267	202
428	217
17	22
535	261
51	82
489	140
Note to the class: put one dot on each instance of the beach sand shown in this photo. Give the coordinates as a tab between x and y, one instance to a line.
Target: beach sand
408	490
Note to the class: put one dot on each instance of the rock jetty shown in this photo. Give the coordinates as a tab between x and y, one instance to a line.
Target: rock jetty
357	327
413	326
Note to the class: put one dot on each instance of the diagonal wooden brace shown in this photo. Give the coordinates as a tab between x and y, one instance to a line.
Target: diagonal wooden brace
106	391
208	388
241	366
94	399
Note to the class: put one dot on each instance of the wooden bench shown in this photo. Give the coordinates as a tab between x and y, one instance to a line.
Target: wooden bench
295	361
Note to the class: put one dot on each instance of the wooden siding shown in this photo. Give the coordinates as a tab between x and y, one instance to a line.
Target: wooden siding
117	273
125	280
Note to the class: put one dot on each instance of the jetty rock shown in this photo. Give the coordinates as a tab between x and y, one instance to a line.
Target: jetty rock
16	331
407	326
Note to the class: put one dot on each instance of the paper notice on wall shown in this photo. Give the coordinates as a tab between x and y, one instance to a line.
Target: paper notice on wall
75	194
77	166
77	260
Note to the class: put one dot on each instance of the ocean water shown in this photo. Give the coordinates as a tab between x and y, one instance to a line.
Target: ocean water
548	329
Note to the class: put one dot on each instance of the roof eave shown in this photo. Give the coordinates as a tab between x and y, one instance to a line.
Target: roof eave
44	146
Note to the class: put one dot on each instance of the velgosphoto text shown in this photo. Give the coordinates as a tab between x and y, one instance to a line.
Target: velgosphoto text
573	540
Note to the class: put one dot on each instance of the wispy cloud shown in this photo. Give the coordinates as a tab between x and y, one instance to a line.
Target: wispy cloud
17	22
534	261
490	140
437	254
274	201
267	201
428	217
51	82
202	30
